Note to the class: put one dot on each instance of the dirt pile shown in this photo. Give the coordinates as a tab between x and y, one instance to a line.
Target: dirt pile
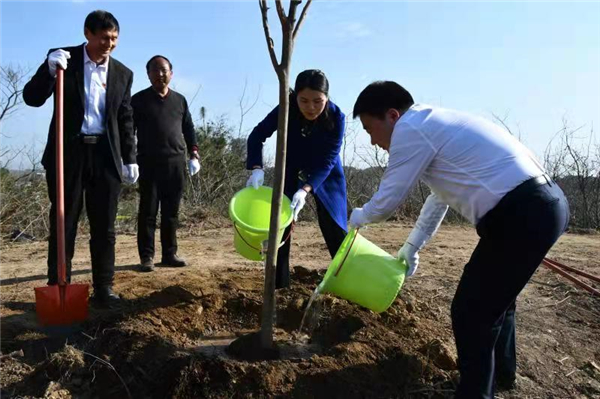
173	342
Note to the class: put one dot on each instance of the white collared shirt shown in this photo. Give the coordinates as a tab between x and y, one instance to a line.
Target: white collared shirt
468	162
94	85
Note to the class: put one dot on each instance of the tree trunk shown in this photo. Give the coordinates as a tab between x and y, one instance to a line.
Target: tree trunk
278	186
289	29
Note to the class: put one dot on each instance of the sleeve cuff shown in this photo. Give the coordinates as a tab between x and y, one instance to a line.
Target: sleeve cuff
417	238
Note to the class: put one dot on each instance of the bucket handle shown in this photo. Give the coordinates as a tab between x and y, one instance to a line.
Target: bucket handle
347	253
260	251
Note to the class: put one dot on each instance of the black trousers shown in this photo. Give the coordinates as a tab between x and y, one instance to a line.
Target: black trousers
334	236
89	176
161	184
514	238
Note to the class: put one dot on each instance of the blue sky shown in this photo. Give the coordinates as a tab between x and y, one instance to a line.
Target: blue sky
533	63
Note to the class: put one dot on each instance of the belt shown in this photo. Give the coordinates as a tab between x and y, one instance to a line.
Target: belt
527	185
90	138
535	181
515	197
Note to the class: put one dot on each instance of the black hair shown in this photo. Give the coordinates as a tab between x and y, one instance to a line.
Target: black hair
378	97
101	20
313	79
149	63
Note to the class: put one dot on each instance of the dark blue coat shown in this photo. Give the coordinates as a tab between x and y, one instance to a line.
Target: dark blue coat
314	159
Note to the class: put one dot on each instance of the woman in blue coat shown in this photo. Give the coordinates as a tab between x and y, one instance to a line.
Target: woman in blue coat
313	164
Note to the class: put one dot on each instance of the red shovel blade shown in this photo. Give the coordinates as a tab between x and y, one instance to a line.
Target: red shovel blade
61	305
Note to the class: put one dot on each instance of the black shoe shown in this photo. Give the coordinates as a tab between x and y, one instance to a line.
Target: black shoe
173	261
147	265
506	384
105	296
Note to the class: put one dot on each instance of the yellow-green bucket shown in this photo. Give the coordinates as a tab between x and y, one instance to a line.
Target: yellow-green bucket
363	273
250	211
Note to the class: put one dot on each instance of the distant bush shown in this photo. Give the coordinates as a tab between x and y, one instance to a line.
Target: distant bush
25	205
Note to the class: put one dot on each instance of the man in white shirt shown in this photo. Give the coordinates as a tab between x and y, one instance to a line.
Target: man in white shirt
485	174
99	144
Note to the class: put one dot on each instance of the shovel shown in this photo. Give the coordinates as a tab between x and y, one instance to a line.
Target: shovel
61	304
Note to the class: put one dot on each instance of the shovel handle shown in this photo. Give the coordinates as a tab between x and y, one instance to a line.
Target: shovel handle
575	280
60	186
573	270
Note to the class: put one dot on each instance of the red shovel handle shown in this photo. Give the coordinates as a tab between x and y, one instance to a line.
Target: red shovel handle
572	270
60	192
566	275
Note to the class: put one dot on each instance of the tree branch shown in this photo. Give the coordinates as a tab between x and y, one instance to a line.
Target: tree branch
243	104
281	12
302	15
503	122
270	44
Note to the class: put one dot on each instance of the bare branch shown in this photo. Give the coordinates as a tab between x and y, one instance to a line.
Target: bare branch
194	96
287	30
292	13
243	104
270	44
502	122
281	12
302	15
12	82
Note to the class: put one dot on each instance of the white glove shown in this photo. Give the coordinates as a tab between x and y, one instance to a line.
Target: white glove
58	58
410	255
257	178
358	219
131	173
193	166
298	202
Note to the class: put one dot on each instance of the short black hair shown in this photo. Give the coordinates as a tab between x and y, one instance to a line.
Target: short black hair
378	97
101	20
149	63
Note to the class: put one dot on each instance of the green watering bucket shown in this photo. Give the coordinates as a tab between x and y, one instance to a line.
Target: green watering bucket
250	211
363	273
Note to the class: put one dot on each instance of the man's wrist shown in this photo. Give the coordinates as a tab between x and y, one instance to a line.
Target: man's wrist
417	238
194	152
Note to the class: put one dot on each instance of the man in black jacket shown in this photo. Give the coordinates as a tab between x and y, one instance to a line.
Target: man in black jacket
166	138
99	144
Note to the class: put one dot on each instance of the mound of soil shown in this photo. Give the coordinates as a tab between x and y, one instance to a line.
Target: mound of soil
175	342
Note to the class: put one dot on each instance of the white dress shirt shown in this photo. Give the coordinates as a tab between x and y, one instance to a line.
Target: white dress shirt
468	162
94	85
